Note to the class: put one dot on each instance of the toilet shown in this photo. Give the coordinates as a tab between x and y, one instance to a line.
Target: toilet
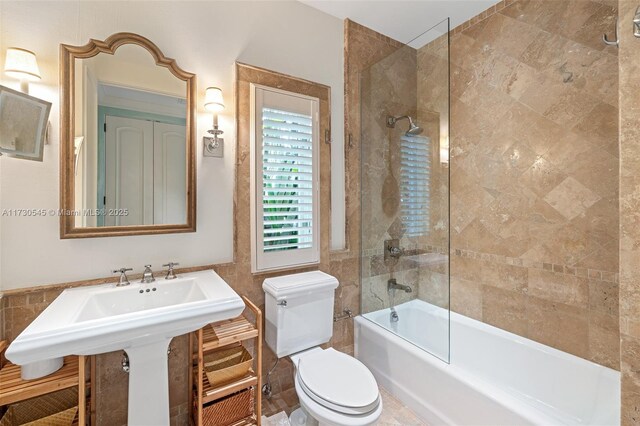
333	388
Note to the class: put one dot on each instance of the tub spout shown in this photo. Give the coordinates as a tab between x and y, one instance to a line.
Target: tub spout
392	284
394	315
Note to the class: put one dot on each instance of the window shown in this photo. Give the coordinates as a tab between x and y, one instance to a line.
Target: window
415	169
285	179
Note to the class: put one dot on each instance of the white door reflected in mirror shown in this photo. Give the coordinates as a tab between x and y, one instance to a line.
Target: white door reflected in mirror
133	165
144	172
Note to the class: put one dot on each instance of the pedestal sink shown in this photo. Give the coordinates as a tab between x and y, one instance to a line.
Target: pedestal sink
139	318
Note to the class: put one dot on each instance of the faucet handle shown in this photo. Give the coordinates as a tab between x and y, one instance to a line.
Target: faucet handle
170	274
123	276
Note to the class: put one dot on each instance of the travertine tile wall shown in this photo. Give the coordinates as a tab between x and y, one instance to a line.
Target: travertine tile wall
389	85
433	116
534	189
534	174
363	48
629	220
387	88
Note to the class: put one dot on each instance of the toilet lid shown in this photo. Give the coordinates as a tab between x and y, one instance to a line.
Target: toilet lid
338	381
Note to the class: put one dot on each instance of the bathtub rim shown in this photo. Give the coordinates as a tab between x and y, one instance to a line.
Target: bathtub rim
518	404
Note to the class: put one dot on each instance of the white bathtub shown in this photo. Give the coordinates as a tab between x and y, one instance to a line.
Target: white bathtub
495	377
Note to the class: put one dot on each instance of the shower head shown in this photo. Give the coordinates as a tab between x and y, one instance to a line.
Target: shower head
413	129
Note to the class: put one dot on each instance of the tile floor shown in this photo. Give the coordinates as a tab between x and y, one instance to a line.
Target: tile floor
394	412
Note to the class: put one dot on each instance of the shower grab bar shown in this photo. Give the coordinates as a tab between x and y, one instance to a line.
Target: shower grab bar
616	42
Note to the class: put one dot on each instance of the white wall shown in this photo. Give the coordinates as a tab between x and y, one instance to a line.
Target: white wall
205	38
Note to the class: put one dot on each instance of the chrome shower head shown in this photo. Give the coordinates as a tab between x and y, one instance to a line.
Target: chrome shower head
413	128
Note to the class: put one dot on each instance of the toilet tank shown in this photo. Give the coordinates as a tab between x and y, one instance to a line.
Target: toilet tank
298	311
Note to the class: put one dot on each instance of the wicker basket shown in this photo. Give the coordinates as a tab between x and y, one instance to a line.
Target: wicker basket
227	365
229	409
54	409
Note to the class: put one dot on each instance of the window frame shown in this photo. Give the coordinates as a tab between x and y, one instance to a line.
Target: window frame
262	261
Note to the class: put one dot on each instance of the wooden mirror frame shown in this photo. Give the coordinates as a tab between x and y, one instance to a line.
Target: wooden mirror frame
68	55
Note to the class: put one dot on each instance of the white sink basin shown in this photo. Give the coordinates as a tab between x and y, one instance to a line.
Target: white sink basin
140	319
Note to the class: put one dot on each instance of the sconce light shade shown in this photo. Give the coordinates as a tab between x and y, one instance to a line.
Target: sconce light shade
213	100
21	64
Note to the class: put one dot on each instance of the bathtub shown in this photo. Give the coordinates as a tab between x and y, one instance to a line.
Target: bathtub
494	378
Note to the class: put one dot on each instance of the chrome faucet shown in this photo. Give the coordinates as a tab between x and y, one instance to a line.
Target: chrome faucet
147	275
123	281
394	315
392	284
392	249
170	274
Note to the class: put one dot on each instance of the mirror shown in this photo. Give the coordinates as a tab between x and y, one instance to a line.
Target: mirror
23	124
127	140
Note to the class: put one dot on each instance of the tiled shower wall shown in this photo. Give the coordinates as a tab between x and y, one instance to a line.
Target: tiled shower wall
629	208
390	84
388	88
534	174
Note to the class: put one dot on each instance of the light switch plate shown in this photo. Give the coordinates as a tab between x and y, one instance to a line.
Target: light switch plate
216	152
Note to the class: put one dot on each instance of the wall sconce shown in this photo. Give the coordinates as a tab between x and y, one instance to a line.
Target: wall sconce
213	101
22	65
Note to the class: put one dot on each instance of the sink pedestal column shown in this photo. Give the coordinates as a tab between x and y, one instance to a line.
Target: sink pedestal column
149	384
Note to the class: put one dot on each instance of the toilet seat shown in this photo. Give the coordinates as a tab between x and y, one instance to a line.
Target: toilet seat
328	417
338	382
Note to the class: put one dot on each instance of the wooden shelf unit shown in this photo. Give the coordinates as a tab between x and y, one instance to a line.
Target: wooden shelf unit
249	421
72	374
210	393
218	335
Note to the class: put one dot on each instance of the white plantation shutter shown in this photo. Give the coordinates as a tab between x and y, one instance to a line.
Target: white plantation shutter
285	179
415	170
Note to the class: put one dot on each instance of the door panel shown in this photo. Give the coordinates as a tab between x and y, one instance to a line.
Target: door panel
170	184
129	171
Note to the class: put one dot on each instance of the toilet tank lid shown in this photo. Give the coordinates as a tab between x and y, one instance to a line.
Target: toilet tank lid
305	282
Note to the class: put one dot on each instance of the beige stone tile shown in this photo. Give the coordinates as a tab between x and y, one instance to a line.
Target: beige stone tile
507	277
604	339
504	309
600	176
542	177
630	378
570	198
600	126
558	325
395	413
566	147
602	20
545	52
506	34
559	288
601	225
466	297
603	297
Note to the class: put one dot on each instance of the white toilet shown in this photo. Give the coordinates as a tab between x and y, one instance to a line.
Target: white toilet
333	388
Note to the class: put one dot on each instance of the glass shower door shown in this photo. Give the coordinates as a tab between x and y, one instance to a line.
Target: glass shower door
405	191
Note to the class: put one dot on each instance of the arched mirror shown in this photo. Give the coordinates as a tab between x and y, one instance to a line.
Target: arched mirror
127	140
